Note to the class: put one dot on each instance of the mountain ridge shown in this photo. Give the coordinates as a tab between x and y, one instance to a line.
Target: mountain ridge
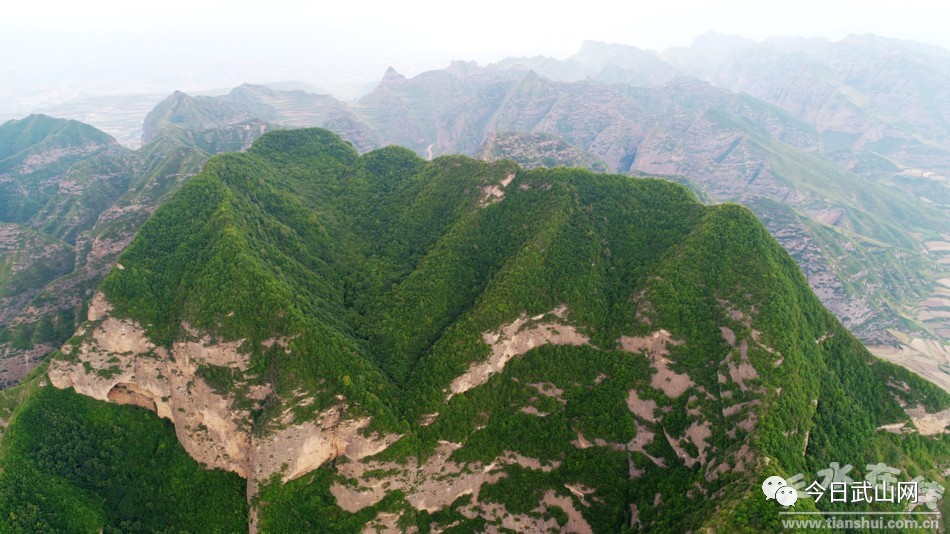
731	147
523	332
89	205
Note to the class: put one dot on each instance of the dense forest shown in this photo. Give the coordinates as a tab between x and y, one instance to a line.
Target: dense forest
73	464
386	274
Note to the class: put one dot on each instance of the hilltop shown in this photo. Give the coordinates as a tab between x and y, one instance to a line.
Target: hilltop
378	339
849	179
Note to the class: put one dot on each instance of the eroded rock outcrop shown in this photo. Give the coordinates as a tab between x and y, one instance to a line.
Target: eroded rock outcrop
656	348
515	339
431	485
495	193
117	362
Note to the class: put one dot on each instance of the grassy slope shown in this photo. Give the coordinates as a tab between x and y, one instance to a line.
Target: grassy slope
24	146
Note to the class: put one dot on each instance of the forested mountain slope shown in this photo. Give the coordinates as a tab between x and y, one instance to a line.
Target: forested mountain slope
72	199
867	225
382	340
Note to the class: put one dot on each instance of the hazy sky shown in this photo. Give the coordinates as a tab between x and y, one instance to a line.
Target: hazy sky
124	46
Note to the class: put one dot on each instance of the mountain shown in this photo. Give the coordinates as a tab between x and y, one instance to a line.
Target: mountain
706	55
197	113
868	235
379	341
881	109
607	62
44	200
437	112
867	241
537	150
34	153
288	108
862	86
865	220
75	199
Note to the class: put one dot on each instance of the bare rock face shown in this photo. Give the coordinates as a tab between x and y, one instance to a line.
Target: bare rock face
929	424
495	193
439	481
671	383
431	485
516	339
298	449
118	363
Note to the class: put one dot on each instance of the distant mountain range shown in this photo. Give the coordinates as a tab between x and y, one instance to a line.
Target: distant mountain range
840	149
854	187
877	108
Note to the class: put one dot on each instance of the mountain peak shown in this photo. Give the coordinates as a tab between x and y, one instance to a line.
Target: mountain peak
176	99
37	128
252	88
392	77
181	110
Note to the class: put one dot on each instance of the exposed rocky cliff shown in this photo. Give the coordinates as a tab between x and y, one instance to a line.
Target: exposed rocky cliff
117	363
